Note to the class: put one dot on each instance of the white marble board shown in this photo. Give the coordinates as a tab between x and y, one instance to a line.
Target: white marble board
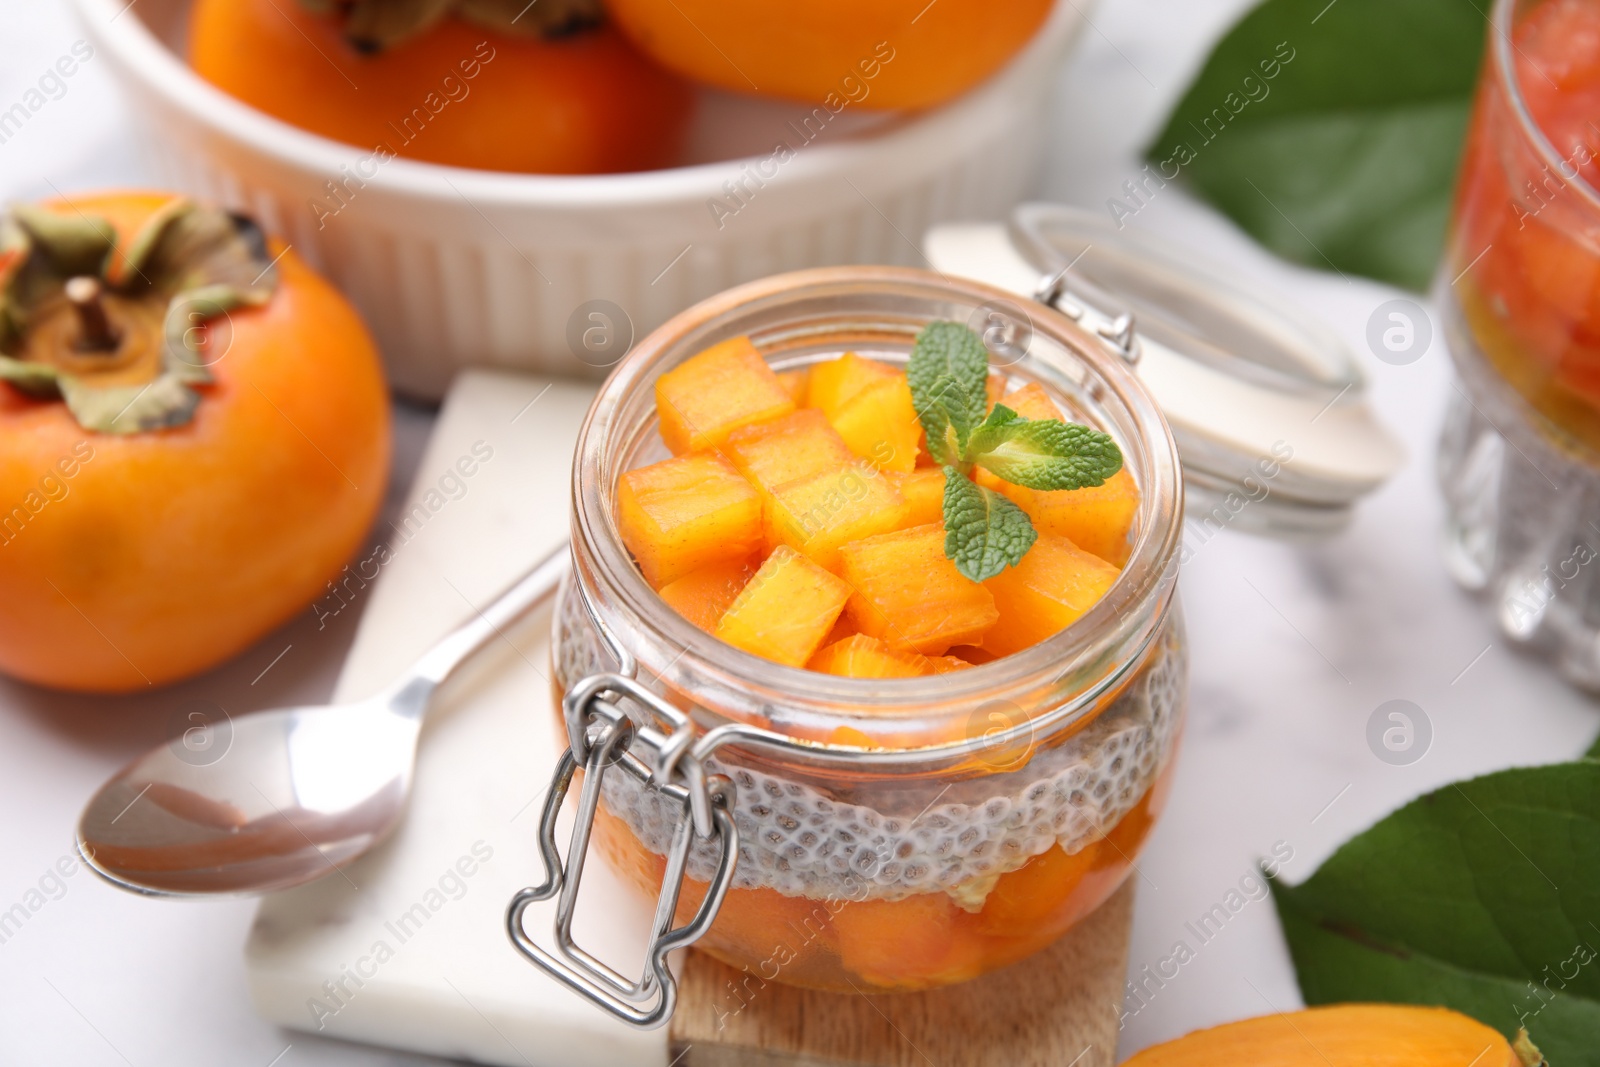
405	947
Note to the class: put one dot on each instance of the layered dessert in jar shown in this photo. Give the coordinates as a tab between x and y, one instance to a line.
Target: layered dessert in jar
927	583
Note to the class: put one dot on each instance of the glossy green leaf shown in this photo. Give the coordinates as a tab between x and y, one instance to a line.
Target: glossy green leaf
1331	131
1482	896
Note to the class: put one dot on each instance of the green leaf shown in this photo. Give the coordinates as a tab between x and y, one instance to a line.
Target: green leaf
1043	453
947	372
946	417
984	533
1481	896
1331	132
1594	750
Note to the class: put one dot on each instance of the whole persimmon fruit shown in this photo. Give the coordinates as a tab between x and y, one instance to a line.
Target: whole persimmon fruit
194	437
1346	1035
834	53
561	94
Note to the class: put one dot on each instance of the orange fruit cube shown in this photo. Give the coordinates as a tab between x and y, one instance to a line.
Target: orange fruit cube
880	424
711	394
1034	893
842	629
866	657
923	489
785	610
1053	586
797	382
870	405
835	381
797	445
906	593
1030	401
816	515
685	513
1097	519
703	596
911	943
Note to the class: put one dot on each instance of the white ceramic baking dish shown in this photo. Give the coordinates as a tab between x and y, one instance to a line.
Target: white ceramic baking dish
455	267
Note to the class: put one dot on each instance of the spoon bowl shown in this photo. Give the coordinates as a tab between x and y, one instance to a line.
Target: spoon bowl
280	798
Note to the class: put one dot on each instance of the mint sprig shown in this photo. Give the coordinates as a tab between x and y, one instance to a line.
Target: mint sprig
984	532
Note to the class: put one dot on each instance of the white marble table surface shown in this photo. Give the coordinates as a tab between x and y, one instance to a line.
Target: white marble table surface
1294	648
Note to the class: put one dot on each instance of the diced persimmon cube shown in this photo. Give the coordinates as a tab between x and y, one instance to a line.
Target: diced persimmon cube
842	628
1097	518
944	664
703	596
1031	402
797	382
906	593
816	515
924	492
685	513
911	943
785	610
866	657
711	394
1053	586
1038	892
880	425
837	380
797	445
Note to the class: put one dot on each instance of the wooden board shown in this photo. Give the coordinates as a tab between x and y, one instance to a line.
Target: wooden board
1057	1009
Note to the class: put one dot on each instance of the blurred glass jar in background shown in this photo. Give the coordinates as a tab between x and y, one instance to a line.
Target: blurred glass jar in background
1519	292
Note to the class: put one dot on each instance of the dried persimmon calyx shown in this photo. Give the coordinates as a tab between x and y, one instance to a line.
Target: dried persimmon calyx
118	331
547	18
374	25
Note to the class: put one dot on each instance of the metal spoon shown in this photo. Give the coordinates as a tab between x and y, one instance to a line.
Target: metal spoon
297	793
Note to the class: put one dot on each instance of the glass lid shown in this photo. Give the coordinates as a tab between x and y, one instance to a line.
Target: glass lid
1266	403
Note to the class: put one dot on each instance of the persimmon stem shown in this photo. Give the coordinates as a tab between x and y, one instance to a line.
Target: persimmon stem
96	334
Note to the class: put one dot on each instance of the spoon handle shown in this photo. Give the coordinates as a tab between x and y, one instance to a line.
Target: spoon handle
489	622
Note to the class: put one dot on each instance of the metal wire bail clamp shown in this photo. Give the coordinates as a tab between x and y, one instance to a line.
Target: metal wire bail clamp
604	739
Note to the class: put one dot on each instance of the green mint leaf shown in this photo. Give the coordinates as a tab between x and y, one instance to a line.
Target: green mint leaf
1043	453
992	431
946	416
948	370
984	533
1479	896
1293	130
